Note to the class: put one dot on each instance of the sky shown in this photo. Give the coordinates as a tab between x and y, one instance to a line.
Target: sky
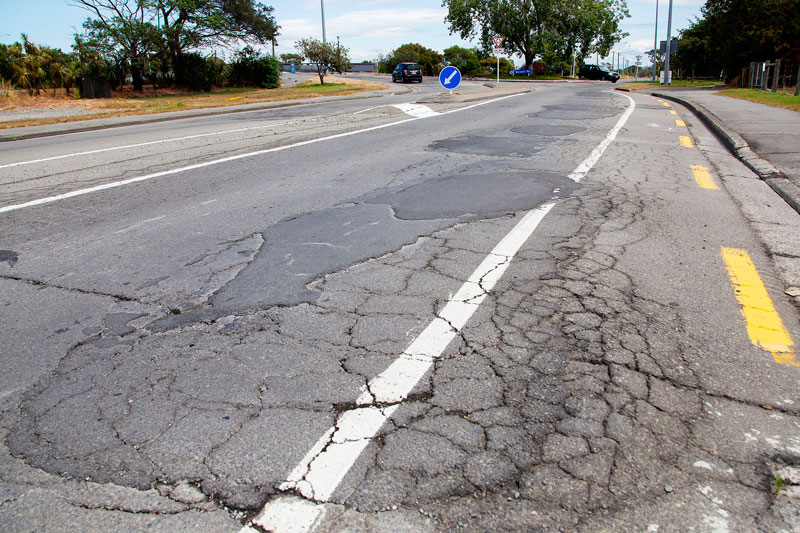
367	28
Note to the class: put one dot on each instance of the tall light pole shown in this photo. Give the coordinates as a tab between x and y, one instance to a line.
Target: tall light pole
322	6
655	44
667	78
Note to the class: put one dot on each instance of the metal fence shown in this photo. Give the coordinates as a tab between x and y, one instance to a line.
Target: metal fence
772	75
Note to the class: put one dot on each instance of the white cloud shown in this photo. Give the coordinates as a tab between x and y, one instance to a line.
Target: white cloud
354	23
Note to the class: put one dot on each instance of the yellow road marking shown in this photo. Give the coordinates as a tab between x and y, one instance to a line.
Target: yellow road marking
764	325
665	104
673	112
703	177
680	123
686	142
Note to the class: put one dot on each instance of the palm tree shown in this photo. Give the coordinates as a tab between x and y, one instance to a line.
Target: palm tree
22	77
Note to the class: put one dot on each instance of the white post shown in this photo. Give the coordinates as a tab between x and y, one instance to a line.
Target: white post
655	44
667	78
498	69
322	8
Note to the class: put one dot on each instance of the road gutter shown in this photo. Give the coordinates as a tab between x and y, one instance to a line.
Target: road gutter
773	177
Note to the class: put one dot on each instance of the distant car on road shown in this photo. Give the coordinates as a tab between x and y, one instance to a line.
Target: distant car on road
597	72
407	72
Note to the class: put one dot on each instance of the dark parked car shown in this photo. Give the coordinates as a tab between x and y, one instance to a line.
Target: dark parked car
597	72
407	72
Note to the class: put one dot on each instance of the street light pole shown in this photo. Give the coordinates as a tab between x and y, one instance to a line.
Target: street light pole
655	44
322	6
667	77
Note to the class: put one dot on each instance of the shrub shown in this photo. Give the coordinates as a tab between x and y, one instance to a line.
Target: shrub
192	71
251	69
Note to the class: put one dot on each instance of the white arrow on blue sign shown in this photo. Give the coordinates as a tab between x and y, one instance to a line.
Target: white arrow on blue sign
450	77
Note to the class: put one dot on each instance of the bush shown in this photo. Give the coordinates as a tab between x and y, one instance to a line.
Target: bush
192	72
538	68
251	69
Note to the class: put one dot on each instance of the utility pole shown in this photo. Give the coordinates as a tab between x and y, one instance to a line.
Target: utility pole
655	44
667	77
322	5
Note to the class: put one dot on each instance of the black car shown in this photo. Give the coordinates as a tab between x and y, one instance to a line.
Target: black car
597	72
407	72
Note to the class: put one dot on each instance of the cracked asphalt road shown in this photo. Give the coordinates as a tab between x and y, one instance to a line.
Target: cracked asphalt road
174	348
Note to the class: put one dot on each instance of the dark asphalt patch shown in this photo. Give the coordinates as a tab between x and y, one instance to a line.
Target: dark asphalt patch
496	146
303	249
299	250
547	130
574	112
474	196
10	257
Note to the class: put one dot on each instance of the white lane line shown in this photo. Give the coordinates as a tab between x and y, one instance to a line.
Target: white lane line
323	468
416	110
138	145
121	183
579	173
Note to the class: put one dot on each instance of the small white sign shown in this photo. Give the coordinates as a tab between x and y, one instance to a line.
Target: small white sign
499	51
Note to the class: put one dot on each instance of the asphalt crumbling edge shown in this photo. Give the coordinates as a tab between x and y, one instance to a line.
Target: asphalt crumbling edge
773	177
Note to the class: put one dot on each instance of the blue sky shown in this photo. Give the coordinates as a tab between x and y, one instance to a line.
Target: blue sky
366	27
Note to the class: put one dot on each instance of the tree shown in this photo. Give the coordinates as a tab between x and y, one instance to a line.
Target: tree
155	34
292	58
489	65
429	60
551	29
465	59
192	24
325	55
125	26
733	33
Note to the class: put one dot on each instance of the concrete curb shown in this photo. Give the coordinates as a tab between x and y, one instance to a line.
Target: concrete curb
739	148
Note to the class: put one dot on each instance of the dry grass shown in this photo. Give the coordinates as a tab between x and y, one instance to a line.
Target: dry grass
128	103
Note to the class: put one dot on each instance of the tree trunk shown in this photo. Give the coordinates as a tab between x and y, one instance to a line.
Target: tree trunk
138	81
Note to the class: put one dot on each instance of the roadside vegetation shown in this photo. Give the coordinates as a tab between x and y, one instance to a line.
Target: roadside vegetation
153	47
783	99
138	105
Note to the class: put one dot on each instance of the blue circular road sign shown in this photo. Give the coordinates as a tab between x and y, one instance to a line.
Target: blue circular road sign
450	77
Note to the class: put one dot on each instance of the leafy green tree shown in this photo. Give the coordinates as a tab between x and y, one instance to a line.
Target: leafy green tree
733	33
429	60
292	58
465	59
325	55
153	35
551	29
126	26
6	62
191	24
489	65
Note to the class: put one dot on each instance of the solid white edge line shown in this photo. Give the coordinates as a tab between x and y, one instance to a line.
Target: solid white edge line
121	183
580	172
411	365
138	145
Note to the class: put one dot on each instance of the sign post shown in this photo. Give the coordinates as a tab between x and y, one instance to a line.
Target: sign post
450	77
498	49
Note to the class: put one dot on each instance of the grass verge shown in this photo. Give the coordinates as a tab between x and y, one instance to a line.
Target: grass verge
648	85
786	100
